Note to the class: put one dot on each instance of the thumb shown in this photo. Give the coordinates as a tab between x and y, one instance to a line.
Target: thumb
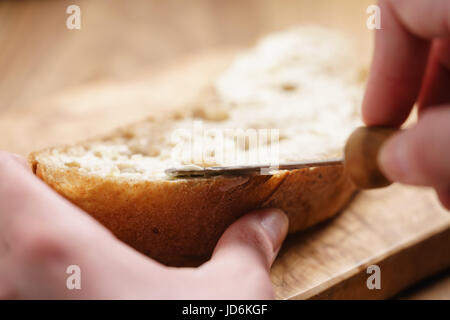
253	240
421	154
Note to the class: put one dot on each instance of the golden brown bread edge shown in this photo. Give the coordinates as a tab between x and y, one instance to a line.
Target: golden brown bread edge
178	223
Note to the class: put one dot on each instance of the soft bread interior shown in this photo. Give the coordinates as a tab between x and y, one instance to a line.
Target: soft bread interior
304	82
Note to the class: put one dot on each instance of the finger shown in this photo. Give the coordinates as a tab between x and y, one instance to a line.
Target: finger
444	196
435	89
7	291
253	240
244	254
421	155
42	234
401	51
26	201
24	194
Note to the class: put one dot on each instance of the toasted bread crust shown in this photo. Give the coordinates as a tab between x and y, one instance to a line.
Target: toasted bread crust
179	222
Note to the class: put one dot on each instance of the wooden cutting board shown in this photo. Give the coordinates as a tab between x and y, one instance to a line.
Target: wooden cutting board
401	229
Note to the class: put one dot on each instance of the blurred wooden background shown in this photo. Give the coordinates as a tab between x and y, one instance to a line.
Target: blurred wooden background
121	40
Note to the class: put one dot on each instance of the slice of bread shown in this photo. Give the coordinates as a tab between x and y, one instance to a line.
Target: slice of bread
303	82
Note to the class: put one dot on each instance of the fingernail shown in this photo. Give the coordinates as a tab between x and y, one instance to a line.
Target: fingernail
275	223
393	159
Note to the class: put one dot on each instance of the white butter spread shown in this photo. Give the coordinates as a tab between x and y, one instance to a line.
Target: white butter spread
303	82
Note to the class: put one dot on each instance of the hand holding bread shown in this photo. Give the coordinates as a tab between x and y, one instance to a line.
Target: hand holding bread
42	234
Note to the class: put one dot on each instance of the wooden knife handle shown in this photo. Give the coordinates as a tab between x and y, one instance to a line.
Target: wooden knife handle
361	154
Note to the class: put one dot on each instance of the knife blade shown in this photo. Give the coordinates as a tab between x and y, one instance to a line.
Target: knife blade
258	169
360	161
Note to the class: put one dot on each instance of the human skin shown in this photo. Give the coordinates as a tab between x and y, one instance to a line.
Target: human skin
41	234
411	64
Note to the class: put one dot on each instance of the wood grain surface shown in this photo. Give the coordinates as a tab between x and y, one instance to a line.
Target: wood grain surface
401	229
129	60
